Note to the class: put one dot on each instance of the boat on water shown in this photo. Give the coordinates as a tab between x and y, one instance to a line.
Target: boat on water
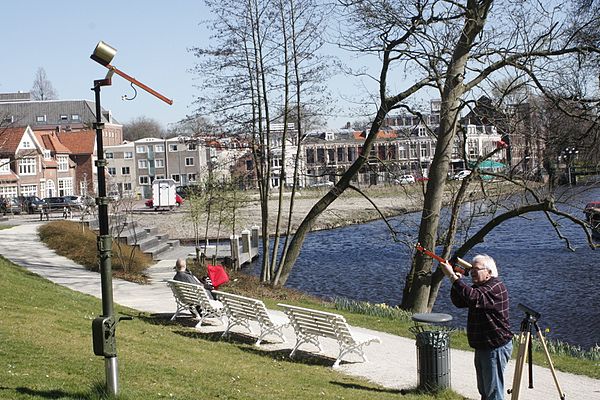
592	216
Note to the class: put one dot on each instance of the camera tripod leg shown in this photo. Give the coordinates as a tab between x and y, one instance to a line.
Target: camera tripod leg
547	354
524	339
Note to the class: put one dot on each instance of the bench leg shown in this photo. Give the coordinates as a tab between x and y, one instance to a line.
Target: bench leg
300	340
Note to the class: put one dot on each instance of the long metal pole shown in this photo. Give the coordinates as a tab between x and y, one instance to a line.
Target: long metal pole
104	240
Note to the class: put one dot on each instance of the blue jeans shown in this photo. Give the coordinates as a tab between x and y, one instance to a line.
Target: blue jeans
489	365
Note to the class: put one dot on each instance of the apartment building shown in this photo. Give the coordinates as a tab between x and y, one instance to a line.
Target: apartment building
121	171
183	160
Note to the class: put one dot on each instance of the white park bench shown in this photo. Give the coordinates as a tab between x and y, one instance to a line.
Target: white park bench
188	296
309	325
242	310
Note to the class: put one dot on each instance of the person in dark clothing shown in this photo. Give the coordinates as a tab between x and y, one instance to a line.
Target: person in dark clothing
488	325
184	275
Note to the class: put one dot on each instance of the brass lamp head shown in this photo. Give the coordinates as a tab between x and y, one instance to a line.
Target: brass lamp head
103	53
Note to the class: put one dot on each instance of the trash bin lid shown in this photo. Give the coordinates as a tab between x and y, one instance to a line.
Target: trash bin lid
432	318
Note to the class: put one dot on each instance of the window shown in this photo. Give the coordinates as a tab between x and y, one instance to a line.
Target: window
63	163
111	171
75	117
8	191
351	154
28	190
144	180
142	164
127	186
109	155
4	165
47	154
27	166
191	146
189	161
140	149
40	118
125	170
176	178
159	148
191	177
128	155
413	150
65	186
9	120
27	144
173	147
310	156
160	177
64	117
159	163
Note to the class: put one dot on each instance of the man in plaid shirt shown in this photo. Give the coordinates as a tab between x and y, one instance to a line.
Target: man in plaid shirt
488	326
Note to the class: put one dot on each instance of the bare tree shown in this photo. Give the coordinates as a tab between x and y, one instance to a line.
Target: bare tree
252	70
457	48
42	87
142	127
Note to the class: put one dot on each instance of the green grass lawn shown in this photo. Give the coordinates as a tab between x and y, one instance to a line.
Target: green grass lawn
46	353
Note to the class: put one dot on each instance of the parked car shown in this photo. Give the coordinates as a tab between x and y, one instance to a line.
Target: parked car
9	206
75	201
178	200
422	179
404	179
30	204
321	184
459	176
56	203
185	191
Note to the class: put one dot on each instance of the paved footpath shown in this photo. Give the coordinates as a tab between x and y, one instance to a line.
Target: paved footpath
392	363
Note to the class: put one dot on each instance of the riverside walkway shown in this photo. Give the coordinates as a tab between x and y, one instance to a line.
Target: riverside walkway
392	363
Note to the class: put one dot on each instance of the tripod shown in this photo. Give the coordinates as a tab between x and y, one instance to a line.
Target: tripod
525	337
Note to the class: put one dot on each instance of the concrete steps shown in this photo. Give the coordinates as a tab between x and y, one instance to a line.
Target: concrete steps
149	240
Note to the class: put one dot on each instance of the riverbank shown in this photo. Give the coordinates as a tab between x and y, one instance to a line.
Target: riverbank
350	208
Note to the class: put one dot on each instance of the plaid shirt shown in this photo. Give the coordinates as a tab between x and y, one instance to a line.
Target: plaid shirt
488	325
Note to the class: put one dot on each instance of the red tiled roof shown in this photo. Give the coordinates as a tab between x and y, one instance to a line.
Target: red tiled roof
10	177
50	163
361	135
10	139
52	142
79	142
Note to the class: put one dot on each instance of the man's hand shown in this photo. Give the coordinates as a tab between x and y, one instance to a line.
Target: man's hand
449	271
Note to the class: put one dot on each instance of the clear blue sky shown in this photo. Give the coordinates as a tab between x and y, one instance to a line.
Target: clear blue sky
151	38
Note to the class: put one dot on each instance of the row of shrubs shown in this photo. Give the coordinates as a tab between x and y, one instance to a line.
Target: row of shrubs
78	243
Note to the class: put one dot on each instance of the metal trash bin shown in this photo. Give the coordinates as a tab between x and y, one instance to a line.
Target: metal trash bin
433	351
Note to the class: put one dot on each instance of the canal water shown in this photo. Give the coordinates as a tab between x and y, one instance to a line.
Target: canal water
362	262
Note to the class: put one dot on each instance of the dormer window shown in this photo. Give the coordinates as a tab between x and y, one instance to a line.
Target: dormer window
329	136
40	118
47	155
64	117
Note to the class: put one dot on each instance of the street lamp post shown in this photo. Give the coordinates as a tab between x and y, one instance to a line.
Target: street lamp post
569	154
104	327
